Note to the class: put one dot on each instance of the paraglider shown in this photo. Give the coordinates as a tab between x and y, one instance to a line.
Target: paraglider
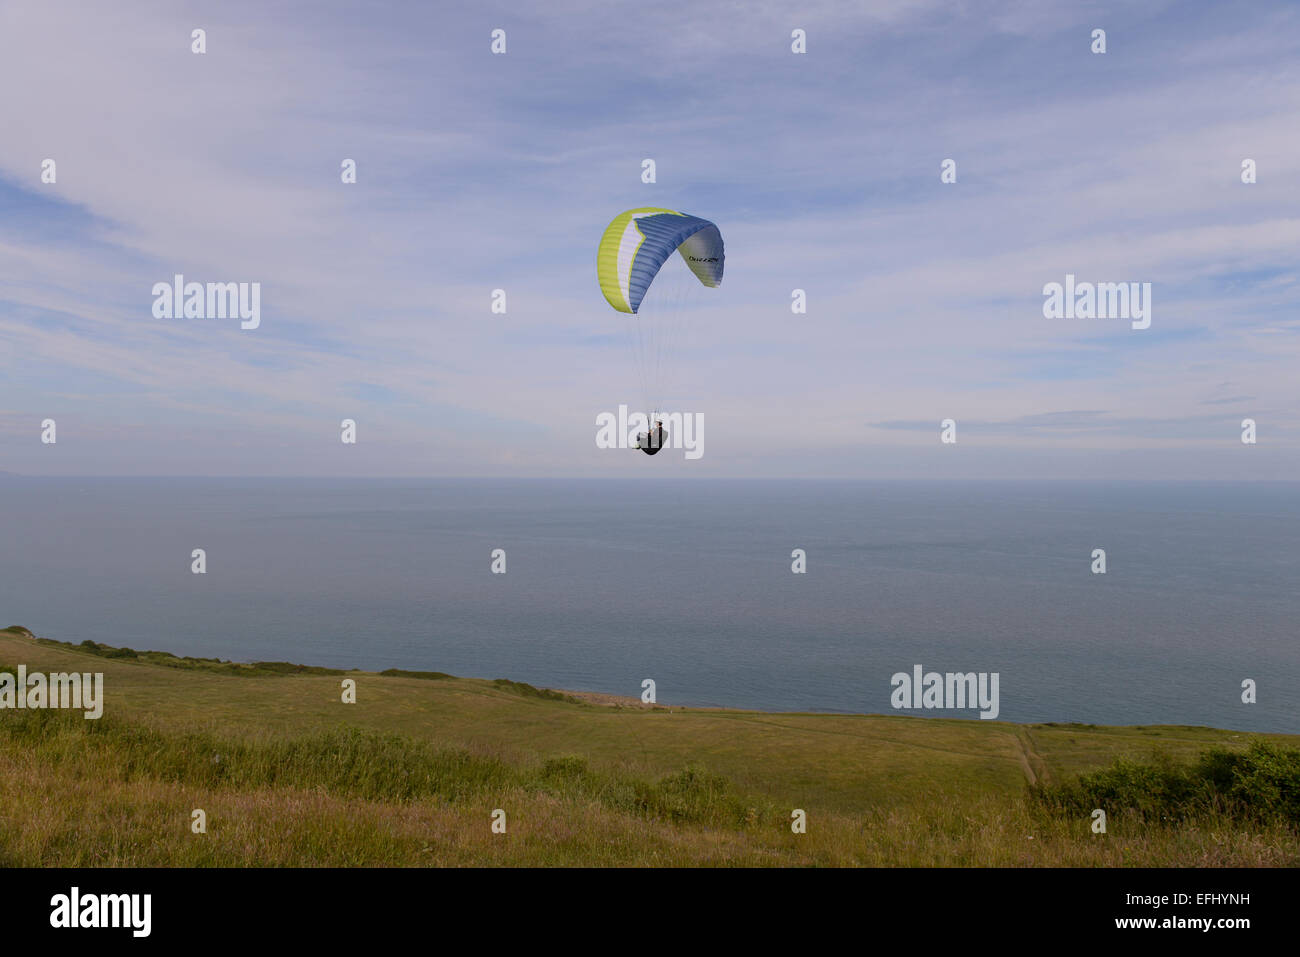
638	276
652	441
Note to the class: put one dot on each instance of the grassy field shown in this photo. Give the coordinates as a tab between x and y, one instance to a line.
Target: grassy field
410	775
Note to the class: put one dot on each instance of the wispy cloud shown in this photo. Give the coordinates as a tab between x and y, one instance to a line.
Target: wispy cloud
480	171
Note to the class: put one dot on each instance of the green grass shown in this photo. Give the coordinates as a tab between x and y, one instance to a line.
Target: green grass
350	762
410	774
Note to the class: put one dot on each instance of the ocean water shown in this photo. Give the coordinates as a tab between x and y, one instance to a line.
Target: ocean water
689	583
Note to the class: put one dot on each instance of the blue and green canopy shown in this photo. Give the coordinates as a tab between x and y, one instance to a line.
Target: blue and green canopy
637	244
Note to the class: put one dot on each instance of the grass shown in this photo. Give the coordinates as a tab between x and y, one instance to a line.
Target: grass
288	775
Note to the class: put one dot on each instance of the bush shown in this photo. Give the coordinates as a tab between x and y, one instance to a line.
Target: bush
403	673
1259	784
528	691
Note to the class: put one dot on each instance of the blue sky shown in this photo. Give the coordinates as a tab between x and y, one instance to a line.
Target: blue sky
478	171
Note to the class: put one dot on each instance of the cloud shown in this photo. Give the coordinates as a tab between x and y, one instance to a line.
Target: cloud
479	172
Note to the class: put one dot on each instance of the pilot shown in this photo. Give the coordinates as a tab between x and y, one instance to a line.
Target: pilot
654	440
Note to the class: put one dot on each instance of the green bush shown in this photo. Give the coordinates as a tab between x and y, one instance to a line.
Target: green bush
426	675
1259	784
528	691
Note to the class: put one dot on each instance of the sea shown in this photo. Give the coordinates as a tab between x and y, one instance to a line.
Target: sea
601	585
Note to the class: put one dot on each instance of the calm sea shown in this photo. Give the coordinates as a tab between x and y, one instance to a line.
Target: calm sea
689	583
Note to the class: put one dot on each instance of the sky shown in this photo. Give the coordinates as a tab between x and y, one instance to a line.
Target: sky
479	171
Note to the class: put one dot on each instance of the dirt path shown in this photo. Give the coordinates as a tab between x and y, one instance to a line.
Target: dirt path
1034	766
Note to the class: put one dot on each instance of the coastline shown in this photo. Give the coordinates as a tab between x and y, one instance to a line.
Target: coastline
601	699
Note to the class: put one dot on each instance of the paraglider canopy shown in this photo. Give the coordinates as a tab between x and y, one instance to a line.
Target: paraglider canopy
637	244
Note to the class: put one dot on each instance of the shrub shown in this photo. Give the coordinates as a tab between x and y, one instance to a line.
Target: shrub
1259	784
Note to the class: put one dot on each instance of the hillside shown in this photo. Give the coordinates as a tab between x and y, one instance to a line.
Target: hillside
411	773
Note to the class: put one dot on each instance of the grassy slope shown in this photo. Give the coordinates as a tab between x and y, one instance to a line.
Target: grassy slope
878	789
